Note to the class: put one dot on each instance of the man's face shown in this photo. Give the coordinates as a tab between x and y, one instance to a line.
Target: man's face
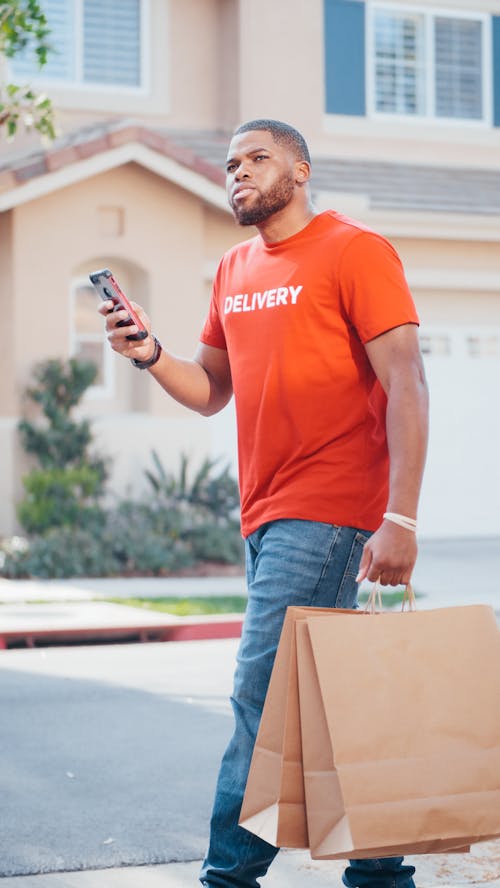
260	177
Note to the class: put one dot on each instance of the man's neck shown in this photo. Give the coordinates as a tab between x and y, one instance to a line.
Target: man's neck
285	223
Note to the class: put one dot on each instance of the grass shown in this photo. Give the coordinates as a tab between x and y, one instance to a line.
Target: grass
187	607
215	604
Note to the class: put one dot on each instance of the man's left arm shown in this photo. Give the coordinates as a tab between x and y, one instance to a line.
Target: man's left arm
390	554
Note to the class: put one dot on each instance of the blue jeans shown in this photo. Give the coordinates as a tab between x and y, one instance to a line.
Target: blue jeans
288	562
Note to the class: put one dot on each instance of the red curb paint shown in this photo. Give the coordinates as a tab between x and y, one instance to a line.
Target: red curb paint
192	631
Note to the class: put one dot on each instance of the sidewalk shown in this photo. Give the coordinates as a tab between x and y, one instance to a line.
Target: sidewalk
291	869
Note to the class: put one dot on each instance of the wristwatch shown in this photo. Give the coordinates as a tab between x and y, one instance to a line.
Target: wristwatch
145	365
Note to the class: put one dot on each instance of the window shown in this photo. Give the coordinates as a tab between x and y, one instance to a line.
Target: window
88	337
485	346
94	42
437	345
428	64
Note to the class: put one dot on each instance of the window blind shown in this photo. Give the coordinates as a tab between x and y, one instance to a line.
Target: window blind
399	68
458	65
111	42
60	62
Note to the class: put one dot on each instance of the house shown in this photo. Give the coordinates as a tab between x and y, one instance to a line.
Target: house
400	104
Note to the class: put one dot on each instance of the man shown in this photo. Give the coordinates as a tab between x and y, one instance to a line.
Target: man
312	326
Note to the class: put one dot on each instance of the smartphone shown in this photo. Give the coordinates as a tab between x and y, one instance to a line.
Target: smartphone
108	288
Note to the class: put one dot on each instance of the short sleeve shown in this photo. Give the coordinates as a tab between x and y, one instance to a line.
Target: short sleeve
373	287
212	332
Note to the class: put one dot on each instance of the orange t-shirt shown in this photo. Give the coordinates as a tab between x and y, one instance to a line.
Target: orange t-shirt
293	317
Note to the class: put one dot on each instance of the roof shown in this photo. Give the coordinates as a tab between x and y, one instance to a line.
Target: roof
385	185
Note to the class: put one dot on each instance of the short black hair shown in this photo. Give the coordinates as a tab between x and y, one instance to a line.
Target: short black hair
282	133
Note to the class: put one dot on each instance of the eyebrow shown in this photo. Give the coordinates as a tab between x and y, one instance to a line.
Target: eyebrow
249	154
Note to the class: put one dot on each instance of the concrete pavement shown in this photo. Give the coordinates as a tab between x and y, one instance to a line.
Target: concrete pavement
291	869
108	764
109	754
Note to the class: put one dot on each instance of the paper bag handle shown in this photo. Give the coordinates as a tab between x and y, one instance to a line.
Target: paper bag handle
374	603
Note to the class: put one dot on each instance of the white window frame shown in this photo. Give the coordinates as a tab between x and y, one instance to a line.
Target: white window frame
79	85
429	13
94	392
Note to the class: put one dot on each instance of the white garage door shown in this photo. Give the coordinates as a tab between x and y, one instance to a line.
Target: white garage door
461	492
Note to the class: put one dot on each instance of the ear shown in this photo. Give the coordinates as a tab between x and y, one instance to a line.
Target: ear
302	172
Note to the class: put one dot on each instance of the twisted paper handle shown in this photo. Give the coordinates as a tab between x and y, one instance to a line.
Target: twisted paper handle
374	603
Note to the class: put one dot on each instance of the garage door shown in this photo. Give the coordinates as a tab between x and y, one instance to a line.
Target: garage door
461	491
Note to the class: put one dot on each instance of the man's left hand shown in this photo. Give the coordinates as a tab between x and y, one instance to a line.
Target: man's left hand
389	556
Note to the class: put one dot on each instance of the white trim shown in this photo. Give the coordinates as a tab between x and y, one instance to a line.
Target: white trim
438	226
78	46
145	44
430	135
430	67
410	222
107	160
451	279
429	13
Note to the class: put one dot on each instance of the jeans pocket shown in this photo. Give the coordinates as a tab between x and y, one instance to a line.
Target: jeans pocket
348	589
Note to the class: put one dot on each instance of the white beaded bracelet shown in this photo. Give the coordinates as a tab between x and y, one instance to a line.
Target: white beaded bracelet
402	520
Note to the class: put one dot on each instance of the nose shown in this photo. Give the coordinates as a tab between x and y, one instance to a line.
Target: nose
242	172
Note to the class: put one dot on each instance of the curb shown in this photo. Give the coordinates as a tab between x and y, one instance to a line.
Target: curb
184	629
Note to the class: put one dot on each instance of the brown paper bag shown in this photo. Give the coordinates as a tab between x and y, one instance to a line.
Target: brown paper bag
400	723
274	805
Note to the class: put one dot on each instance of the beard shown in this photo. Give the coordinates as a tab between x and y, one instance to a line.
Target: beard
265	205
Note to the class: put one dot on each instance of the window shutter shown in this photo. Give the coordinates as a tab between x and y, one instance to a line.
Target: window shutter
345	57
111	42
496	70
60	63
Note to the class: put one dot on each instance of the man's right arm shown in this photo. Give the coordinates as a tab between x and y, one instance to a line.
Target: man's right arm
202	384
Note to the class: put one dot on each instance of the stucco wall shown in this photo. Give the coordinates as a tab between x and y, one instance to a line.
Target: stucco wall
168	238
282	75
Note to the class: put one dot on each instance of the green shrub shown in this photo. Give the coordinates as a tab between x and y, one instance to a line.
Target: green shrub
188	518
65	490
213	543
60	553
143	542
64	497
209	494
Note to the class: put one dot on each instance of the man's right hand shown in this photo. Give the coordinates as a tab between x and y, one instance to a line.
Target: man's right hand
142	349
202	383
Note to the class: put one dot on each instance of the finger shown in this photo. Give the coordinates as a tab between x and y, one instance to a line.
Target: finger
113	319
106	307
364	564
374	574
403	577
117	337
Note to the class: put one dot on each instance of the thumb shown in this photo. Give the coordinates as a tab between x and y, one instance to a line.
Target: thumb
364	564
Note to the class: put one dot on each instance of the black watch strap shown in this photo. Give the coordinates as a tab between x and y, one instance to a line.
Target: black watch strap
144	365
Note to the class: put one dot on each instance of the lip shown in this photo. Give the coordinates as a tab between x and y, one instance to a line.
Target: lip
242	192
